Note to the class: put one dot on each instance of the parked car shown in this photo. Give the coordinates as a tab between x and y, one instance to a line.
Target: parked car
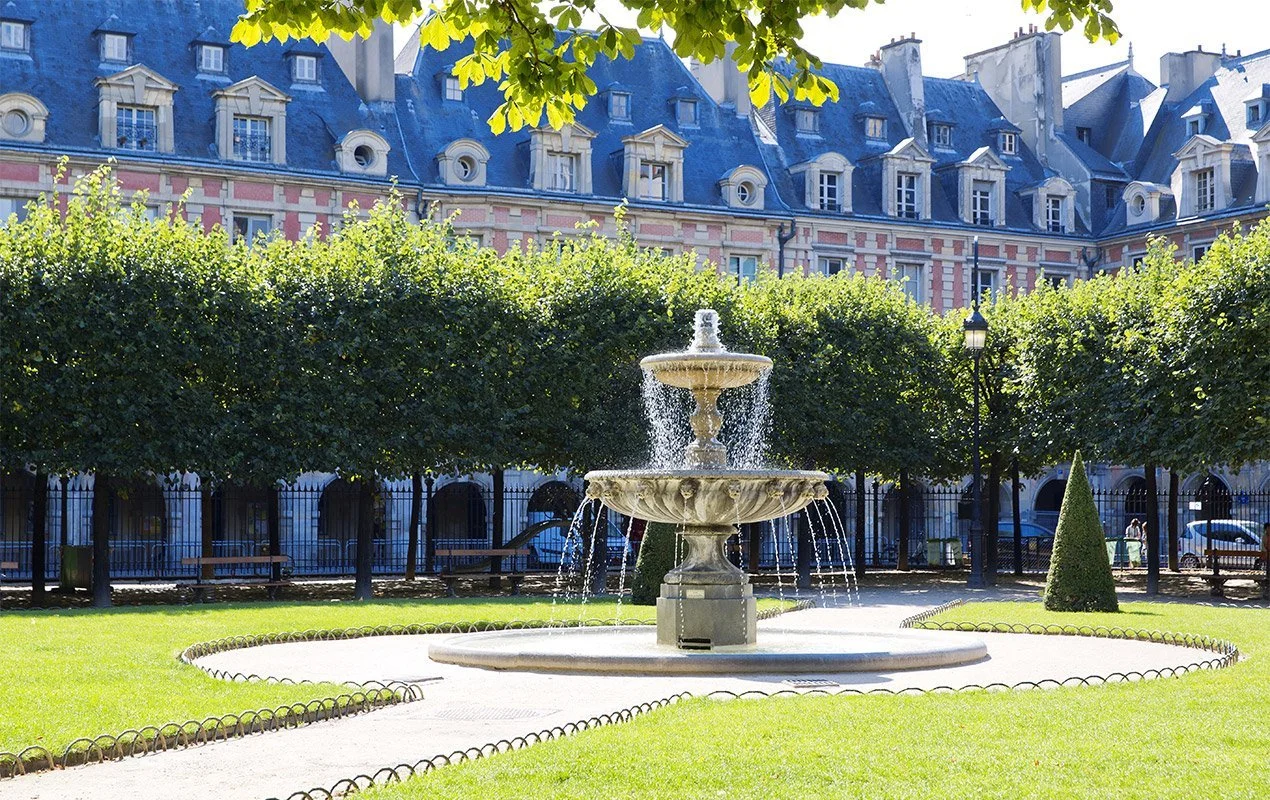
547	549
1227	534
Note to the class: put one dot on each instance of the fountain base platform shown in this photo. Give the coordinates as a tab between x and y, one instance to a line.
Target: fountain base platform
633	651
706	616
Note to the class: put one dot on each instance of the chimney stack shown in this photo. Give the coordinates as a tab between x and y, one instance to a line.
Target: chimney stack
1024	77
1183	73
368	63
724	81
901	65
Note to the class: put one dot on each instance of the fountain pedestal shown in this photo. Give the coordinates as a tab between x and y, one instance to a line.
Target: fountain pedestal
706	602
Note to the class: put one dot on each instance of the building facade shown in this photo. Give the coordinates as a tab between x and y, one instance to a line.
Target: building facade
1059	176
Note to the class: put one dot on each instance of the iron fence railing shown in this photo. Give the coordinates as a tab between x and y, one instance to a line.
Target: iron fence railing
154	528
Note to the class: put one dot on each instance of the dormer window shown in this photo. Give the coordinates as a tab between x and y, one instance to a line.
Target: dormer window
1009	143
252	141
743	186
1194	127
1054	214
941	135
13	36
135	128
745	193
619	106
830	194
1139	205
563	172
114	47
1085	136
452	89
1254	115
807	120
686	112
652	181
981	203
304	69
1258	106
875	127
1205	190
211	58
906	199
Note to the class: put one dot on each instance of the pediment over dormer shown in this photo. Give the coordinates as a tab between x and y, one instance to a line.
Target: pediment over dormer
987	159
1262	136
910	149
256	90
1198	144
140	79
657	136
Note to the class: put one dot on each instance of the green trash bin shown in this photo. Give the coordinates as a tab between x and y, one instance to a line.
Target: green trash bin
77	566
943	552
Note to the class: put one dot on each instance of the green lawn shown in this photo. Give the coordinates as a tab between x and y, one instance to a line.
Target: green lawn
1204	735
73	673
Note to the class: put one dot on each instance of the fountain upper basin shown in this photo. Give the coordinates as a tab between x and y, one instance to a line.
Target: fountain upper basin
706	369
705	497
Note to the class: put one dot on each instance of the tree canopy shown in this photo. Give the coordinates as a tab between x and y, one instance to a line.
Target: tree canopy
540	54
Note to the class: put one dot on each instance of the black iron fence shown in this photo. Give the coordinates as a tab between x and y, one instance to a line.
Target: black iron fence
154	530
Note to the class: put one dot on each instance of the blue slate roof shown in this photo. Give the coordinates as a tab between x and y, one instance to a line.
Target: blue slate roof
1222	98
963	105
63	62
654	78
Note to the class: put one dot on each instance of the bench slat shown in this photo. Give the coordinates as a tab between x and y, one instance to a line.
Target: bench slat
490	553
8	565
231	582
211	561
1232	553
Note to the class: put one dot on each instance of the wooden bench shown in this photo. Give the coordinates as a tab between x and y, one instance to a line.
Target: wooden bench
7	566
1258	572
451	572
201	585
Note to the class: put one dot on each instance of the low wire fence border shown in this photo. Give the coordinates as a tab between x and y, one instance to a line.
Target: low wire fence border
363	697
1228	655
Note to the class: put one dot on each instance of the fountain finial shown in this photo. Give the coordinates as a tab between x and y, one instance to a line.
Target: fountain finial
705	332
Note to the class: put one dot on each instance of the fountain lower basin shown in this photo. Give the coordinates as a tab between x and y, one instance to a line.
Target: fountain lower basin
630	650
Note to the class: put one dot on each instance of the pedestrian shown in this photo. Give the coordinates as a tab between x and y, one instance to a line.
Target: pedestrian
1134	537
1134	531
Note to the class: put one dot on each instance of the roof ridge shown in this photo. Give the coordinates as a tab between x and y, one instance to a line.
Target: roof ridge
1096	70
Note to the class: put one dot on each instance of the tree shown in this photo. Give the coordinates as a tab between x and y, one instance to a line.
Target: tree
540	53
1080	573
656	558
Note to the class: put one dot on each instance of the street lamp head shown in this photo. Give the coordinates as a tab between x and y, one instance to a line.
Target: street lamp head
975	329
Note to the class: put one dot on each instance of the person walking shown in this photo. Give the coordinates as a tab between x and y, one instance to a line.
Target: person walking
1134	533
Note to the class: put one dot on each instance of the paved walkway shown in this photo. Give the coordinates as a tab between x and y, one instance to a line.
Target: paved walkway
465	707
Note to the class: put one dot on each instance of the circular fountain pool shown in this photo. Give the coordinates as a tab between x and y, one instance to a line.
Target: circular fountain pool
632	650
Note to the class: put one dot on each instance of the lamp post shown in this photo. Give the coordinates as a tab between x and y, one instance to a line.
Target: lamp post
975	330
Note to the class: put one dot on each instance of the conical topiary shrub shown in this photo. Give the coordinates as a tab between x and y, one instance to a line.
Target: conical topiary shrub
1080	573
656	558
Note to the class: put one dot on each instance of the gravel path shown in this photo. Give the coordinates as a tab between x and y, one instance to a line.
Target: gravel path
463	707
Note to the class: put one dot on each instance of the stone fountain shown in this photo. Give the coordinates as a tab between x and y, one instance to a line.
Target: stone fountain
706	620
706	602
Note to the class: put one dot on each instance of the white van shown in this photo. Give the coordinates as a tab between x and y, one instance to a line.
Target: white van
1226	534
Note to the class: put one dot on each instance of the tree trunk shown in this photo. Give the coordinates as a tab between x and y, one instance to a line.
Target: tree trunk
275	532
753	532
991	517
412	537
429	532
1017	516
207	529
496	536
600	554
860	501
1153	532
803	557
1174	485
101	542
902	539
365	538
39	537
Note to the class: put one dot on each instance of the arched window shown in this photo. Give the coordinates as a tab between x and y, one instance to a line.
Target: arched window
241	521
338	519
1049	501
459	512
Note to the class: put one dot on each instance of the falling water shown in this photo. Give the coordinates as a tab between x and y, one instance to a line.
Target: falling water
667	410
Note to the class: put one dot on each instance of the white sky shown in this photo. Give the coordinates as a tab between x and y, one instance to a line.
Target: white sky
951	29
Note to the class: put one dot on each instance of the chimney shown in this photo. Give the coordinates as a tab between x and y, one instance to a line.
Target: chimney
1024	77
723	81
368	63
1183	73
901	65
